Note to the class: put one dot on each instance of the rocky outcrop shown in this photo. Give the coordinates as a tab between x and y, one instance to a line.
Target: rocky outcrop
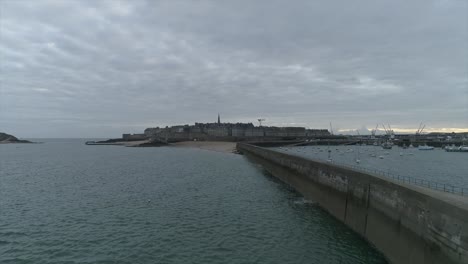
7	138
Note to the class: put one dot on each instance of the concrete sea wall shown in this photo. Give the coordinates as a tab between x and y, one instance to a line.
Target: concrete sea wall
408	224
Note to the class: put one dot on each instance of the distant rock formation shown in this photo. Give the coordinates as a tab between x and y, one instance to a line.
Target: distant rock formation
7	138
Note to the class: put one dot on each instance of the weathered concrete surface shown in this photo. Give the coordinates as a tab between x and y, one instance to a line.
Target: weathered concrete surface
408	224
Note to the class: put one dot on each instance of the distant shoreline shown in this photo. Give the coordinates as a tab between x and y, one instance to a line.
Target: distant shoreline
117	143
10	139
18	142
218	146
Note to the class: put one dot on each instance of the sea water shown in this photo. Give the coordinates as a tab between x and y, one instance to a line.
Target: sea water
65	202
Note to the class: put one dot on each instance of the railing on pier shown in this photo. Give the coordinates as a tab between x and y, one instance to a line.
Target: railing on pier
401	178
409	180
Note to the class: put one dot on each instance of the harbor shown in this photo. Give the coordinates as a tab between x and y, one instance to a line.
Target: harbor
233	132
433	169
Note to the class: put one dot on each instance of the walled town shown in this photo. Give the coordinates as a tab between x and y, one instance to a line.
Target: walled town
225	132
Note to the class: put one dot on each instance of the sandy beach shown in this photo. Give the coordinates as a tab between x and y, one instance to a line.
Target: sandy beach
219	146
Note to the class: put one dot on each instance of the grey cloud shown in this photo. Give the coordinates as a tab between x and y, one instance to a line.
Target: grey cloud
99	68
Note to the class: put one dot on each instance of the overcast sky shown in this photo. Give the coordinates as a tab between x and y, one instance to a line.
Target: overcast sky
99	68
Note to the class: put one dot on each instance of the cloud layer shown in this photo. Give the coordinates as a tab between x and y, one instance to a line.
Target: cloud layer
100	68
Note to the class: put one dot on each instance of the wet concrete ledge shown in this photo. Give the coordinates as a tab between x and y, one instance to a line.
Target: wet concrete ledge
408	224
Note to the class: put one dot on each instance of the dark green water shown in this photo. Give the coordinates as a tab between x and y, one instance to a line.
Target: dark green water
64	202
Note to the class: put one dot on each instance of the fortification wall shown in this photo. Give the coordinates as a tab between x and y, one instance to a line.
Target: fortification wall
408	224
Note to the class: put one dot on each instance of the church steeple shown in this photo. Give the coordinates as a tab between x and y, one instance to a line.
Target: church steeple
219	120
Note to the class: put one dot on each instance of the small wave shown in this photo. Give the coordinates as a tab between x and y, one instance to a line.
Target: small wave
12	233
13	260
305	201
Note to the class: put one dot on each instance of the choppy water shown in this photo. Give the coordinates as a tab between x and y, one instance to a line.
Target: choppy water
64	202
434	165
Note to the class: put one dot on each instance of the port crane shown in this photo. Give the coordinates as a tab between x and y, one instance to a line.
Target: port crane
389	132
420	129
260	120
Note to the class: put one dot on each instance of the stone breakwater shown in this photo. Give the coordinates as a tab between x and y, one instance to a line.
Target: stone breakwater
408	224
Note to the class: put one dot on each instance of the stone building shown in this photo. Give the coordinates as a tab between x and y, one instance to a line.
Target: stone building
254	132
230	131
317	132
